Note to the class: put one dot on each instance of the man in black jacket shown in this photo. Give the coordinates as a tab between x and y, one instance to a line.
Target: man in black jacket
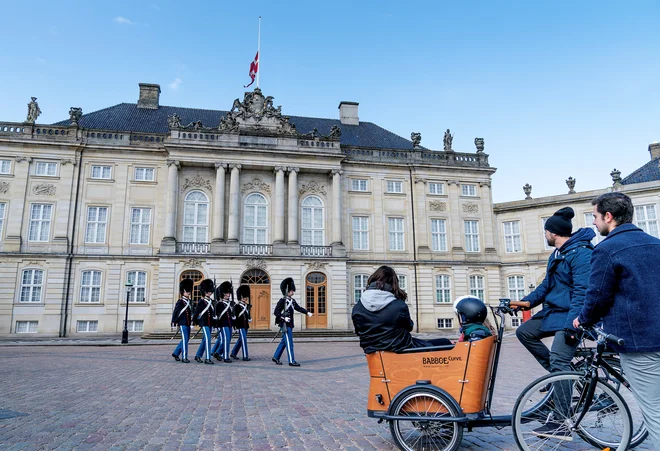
182	318
242	322
284	318
204	317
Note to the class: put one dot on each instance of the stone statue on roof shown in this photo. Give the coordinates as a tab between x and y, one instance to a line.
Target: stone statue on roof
335	132
174	121
33	111
416	138
448	140
75	113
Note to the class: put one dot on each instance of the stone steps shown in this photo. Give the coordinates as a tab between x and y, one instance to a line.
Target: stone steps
298	333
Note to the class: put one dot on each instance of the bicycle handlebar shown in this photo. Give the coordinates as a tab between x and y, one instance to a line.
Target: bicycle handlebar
605	336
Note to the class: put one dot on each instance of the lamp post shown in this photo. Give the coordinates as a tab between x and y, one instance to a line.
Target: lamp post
124	334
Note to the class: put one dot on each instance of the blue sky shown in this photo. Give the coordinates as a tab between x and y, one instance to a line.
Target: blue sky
556	89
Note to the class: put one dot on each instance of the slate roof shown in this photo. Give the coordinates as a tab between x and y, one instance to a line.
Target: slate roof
648	173
128	117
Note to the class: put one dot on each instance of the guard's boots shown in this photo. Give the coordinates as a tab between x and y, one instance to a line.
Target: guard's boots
208	361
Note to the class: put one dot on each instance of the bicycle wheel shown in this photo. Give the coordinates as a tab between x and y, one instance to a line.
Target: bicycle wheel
426	435
551	427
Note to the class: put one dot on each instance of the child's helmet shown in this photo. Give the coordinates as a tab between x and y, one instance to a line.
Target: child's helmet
470	310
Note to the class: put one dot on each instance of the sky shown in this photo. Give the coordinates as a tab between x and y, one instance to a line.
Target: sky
556	89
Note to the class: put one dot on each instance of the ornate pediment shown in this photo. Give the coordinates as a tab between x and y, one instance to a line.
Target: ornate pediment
197	182
256	263
256	113
4	187
312	187
44	189
437	206
256	185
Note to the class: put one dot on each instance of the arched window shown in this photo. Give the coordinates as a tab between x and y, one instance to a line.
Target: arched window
255	276
196	217
313	232
255	222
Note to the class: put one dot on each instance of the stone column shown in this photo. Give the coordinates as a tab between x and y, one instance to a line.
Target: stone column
17	191
234	204
455	215
486	206
421	218
336	207
219	204
278	233
168	243
292	236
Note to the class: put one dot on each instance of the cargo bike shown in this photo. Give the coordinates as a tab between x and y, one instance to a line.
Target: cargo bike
430	395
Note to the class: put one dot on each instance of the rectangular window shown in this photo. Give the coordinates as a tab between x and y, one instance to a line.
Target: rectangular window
468	190
471	236
360	233
3	207
101	172
443	289
90	287
436	188
439	235
97	219
445	323
543	240
359	285
516	286
403	282
394	187
45	169
140	225
358	185
516	322
138	280
31	285
144	174
589	222
5	166
26	327
477	287
395	233
135	326
40	216
646	219
87	326
512	239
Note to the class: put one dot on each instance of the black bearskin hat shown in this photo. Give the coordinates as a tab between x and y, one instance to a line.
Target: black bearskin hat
243	292
206	286
224	288
186	285
287	285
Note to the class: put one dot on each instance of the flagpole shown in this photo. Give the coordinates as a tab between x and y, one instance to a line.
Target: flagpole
259	50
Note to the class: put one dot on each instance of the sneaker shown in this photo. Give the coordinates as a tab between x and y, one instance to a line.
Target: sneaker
546	388
553	429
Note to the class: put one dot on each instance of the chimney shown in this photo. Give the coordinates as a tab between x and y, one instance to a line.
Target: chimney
348	113
149	96
654	150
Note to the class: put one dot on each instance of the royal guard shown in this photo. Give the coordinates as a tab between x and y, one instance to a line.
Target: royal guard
242	321
284	318
182	318
225	311
205	317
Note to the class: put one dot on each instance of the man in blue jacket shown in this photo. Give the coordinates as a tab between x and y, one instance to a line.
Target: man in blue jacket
624	291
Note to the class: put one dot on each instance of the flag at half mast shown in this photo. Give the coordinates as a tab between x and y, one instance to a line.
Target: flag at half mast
254	65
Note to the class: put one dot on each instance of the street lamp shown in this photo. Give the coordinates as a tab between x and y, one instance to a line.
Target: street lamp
124	334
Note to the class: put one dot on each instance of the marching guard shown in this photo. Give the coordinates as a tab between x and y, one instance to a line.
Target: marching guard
204	318
182	318
242	322
284	318
225	311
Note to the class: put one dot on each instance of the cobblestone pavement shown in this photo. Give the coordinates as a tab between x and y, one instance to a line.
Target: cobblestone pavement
139	398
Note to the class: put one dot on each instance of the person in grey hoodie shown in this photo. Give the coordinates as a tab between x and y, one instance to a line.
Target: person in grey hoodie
381	318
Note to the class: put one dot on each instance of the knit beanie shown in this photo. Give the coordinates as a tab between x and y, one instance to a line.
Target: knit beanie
560	222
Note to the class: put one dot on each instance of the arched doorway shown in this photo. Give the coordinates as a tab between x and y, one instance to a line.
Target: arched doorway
316	296
196	277
259	284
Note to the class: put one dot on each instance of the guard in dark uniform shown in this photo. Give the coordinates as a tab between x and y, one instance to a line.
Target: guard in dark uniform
225	312
242	322
182	318
284	318
204	317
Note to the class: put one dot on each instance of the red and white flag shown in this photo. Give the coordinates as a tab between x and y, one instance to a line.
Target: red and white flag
254	68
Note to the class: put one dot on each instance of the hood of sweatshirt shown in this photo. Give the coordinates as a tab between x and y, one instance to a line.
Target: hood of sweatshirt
375	300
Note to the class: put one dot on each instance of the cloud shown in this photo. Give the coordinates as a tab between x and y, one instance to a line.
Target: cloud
123	21
174	85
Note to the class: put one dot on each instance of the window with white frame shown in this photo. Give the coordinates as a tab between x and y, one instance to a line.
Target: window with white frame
589	222
395	227
138	280
90	287
31	285
135	325
359	185
101	172
255	219
360	233
40	216
478	287
439	235
313	222
516	285
516	322
145	174
196	217
646	219
97	222
87	326
512	239
3	207
443	289
5	166
359	285
436	188
45	169
468	190
445	323
471	236
26	327
403	282
546	246
140	225
393	186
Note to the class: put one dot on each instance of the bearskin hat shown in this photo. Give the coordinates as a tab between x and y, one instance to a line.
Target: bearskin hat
186	285
287	285
243	292
224	288
206	286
